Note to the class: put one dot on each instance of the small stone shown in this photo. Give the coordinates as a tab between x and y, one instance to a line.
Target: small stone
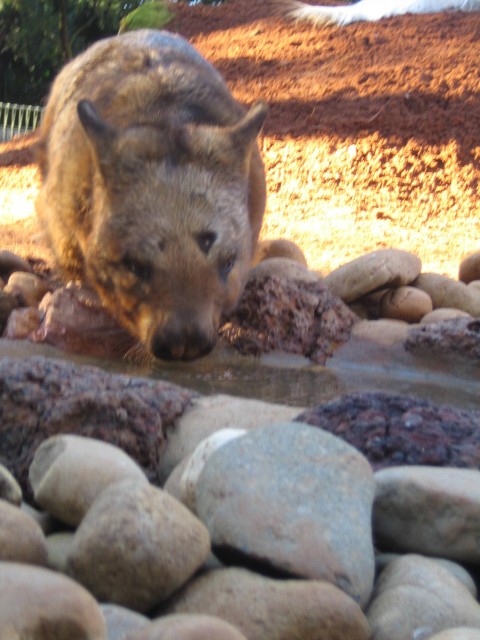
27	287
68	472
267	513
383	331
387	267
21	539
458	633
457	570
22	322
280	248
47	523
137	545
121	621
267	609
284	268
415	597
446	292
59	545
187	627
405	303
444	313
10	490
10	262
469	269
44	605
75	320
208	414
429	510
7	304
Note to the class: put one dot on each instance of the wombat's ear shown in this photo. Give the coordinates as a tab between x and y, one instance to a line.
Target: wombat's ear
247	129
227	145
100	133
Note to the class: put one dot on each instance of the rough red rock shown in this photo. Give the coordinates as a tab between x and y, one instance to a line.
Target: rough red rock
41	397
396	430
294	316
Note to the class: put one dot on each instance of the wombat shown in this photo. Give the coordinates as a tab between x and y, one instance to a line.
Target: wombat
153	187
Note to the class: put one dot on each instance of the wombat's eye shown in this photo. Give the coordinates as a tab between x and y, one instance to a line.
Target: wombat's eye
226	265
205	241
141	270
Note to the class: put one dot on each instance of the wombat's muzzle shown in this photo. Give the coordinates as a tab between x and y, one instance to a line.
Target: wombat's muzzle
181	342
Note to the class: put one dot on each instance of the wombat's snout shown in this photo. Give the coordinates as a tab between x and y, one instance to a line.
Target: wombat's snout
180	341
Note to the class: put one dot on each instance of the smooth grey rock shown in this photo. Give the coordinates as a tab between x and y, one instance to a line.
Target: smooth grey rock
458	633
429	510
21	539
187	627
206	415
267	609
415	597
137	545
38	604
121	621
295	498
68	472
382	560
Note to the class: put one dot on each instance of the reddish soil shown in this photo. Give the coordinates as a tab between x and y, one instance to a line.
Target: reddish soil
372	139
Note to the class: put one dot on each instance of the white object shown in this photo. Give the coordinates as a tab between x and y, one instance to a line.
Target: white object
372	10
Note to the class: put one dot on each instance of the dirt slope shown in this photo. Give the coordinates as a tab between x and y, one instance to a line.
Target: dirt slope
372	140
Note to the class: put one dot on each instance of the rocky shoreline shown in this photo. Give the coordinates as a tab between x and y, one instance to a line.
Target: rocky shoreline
161	513
134	509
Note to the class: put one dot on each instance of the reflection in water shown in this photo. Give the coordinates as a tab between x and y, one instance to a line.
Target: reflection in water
295	381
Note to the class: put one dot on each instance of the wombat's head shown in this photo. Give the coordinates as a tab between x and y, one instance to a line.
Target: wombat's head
170	242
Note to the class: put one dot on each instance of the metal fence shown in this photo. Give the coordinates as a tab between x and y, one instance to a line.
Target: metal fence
18	118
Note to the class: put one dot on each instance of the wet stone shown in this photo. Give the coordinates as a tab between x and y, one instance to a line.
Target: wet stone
298	315
459	336
392	430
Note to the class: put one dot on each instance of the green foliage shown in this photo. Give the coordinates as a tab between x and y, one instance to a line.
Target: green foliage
152	14
38	37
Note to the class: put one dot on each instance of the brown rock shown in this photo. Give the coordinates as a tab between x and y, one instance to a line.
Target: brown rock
44	605
405	303
10	262
21	539
27	287
372	271
469	269
279	248
266	609
439	315
137	545
68	472
446	292
187	627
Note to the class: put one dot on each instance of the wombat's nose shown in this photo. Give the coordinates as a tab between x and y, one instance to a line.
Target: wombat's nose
177	342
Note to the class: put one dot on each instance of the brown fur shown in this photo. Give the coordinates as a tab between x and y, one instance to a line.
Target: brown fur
153	187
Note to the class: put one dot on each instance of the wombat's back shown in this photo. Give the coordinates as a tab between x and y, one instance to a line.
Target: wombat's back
142	77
